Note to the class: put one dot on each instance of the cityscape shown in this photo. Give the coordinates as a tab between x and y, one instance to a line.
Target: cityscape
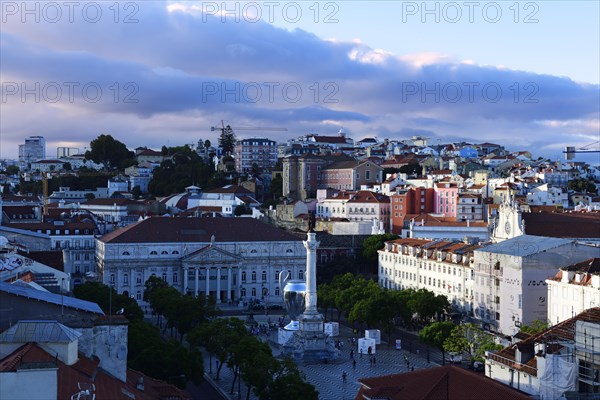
270	202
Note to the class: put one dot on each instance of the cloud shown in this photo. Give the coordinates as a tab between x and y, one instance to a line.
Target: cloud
177	71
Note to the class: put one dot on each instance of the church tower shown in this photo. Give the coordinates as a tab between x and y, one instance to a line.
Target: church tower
509	222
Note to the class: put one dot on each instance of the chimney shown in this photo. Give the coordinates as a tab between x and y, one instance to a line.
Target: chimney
596	281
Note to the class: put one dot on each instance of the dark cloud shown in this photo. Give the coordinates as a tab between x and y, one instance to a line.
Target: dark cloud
172	74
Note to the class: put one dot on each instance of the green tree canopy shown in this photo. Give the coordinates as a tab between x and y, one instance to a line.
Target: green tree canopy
227	140
536	326
109	152
109	301
436	334
374	243
470	339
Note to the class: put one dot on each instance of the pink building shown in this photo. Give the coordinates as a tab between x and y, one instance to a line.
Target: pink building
445	198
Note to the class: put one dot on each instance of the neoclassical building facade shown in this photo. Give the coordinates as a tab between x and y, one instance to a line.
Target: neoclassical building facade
230	259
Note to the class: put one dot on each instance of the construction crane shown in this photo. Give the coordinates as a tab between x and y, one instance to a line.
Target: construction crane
248	128
588	148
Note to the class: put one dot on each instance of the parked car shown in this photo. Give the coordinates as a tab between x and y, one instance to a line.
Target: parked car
275	307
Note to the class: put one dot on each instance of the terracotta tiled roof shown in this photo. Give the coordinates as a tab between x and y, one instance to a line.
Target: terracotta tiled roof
50	258
175	230
447	382
364	196
86	372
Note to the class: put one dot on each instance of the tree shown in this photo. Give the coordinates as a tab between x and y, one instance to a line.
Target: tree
582	185
277	186
67	166
287	383
108	300
242	209
227	140
427	304
374	243
471	339
436	334
218	337
536	326
109	152
136	192
11	170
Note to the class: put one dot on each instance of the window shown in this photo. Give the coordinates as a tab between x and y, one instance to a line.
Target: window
174	277
112	279
126	279
276	276
77	256
300	274
164	276
253	276
263	276
138	280
125	253
253	292
243	292
175	252
243	276
138	295
164	252
276	290
153	253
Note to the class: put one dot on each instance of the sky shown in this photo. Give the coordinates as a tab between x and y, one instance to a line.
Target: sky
519	73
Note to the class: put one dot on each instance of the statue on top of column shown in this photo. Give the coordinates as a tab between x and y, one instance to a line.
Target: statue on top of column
312	221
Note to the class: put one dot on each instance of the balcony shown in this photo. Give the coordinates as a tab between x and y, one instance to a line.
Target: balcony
512	364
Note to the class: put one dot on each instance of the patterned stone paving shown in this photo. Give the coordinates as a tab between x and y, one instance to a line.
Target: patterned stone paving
327	378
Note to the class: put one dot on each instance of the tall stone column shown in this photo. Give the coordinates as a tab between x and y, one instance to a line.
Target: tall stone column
311	273
311	320
185	280
197	285
228	284
218	285
239	282
207	281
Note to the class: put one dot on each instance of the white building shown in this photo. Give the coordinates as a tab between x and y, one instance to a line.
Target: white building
546	195
32	150
230	259
573	289
510	278
442	267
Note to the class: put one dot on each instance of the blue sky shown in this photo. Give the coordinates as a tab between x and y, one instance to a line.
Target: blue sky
522	74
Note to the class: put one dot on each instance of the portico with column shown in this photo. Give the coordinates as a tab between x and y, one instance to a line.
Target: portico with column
209	264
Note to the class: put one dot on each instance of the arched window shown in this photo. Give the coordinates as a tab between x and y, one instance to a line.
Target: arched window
253	251
253	292
138	295
153	253
288	251
300	274
164	276
125	253
263	276
164	252
253	276
243	276
126	279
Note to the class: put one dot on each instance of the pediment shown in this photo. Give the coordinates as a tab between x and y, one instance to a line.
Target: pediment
211	254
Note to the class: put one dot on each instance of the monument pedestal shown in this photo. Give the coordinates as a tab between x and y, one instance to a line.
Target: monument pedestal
310	344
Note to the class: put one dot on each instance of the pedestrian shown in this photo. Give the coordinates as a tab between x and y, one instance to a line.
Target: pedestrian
371	361
374	360
412	369
360	352
369	350
352	354
354	364
344	377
